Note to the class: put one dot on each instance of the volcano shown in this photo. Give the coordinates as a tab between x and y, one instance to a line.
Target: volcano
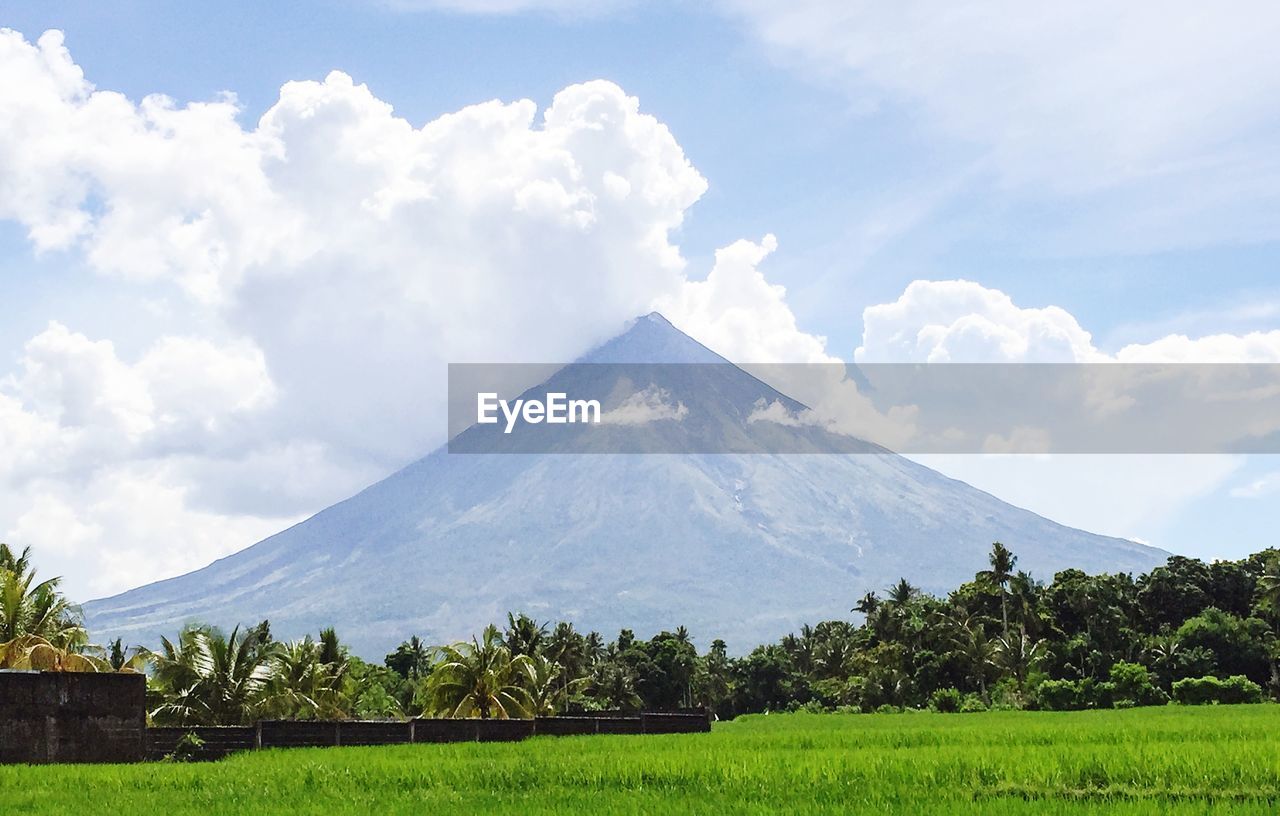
740	546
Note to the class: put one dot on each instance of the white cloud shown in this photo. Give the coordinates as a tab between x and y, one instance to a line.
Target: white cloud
1254	347
651	404
739	314
333	257
122	526
963	321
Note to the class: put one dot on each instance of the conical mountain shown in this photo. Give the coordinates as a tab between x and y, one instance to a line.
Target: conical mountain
741	546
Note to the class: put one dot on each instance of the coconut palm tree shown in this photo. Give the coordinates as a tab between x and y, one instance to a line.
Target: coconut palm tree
867	605
971	642
1163	654
1002	563
302	685
547	686
524	636
1024	598
1018	655
480	679
208	679
614	685
34	653
572	652
901	594
36	609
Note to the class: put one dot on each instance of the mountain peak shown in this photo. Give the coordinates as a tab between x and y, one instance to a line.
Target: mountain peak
651	339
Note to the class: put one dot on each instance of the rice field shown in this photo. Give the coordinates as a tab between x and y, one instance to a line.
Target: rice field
1170	760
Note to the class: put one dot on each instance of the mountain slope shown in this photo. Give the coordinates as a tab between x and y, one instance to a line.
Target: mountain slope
744	547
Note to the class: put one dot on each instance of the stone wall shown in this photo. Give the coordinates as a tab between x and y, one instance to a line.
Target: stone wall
72	717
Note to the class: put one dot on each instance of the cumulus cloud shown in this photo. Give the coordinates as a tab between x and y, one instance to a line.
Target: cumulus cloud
334	256
338	256
964	322
1154	123
737	312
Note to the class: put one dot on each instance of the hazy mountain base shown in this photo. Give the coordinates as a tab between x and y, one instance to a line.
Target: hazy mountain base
743	547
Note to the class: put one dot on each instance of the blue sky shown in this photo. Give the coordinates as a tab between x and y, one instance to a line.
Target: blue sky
1121	167
784	152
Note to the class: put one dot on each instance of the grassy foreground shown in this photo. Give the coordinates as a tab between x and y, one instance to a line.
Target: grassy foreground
1143	761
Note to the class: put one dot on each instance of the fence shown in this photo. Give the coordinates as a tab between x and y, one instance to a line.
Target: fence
215	742
212	741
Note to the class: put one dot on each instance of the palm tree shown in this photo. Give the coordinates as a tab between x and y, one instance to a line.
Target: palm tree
1024	597
971	642
614	685
28	608
1002	563
524	636
572	652
208	679
302	685
1018	655
548	687
901	594
594	648
480	679
867	605
34	653
1163	654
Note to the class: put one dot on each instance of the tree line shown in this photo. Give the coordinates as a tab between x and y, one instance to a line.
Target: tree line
1187	632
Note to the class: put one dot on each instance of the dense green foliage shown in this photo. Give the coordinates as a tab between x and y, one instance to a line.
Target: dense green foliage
1189	632
1164	761
1006	640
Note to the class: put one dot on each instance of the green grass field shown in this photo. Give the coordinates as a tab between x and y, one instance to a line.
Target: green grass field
1143	761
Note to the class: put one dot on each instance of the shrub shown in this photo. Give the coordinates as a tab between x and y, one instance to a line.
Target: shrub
187	748
1133	686
1210	690
972	704
1063	695
1008	695
1240	689
887	708
946	701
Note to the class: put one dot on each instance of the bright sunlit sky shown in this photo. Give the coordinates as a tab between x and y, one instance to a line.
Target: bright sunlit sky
231	278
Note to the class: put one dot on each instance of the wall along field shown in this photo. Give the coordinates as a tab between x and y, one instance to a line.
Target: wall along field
1167	760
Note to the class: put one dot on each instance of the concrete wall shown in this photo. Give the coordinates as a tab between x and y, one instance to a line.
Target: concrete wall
72	717
86	717
217	740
